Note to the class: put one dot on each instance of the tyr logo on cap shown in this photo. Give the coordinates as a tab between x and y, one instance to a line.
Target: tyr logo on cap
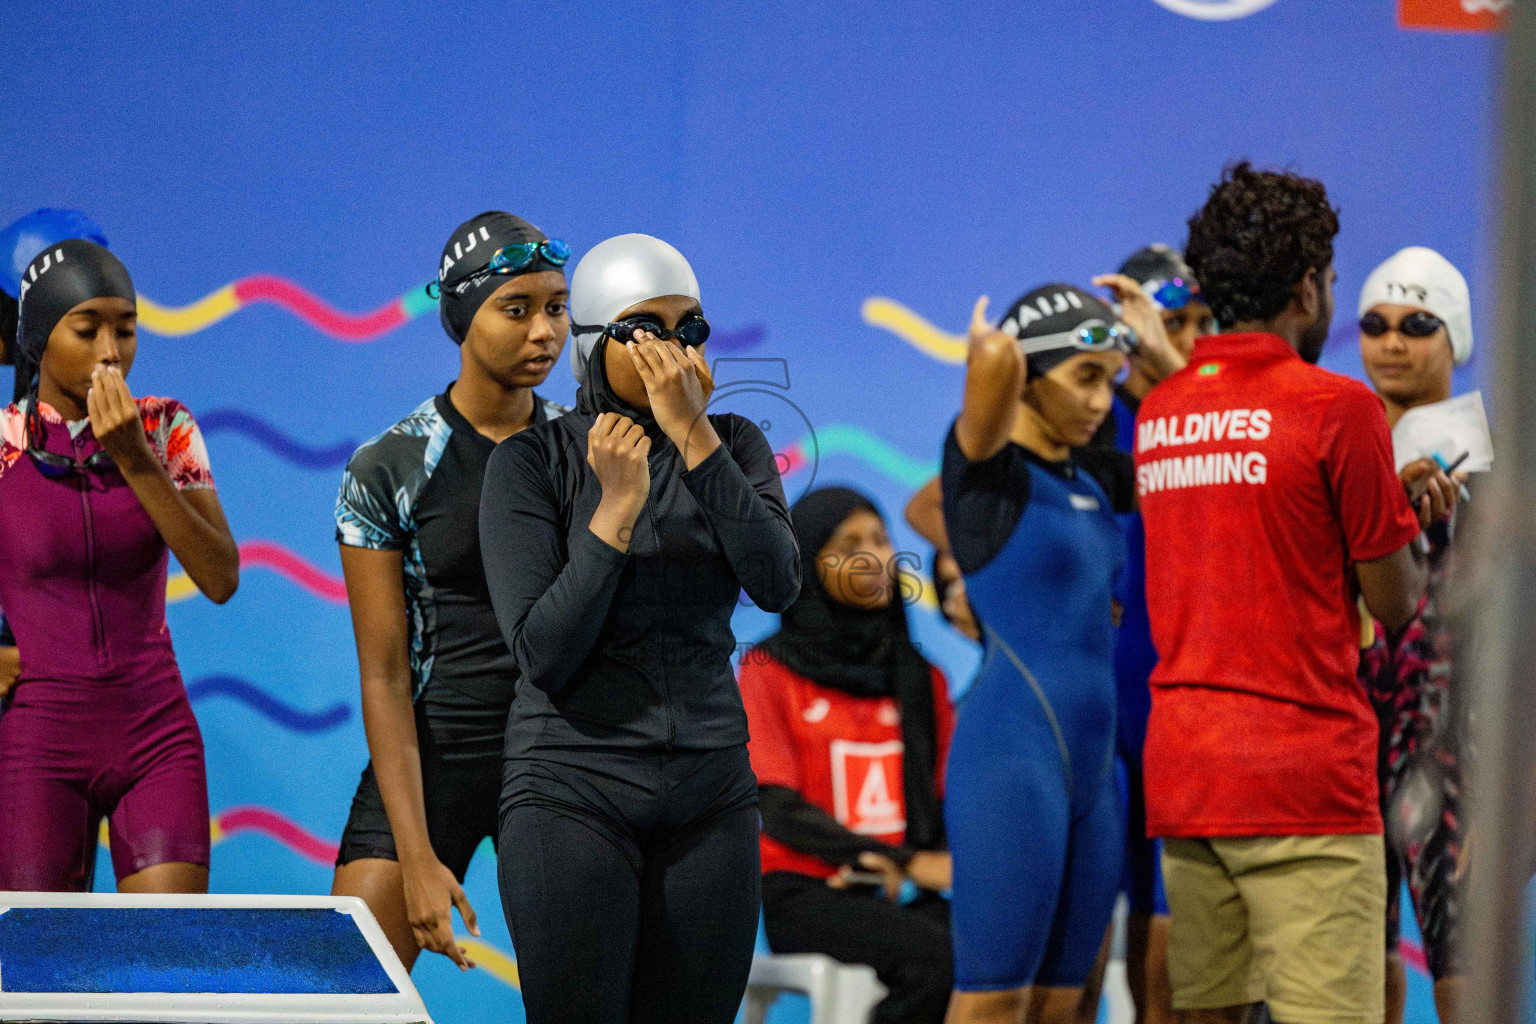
50	260
1407	294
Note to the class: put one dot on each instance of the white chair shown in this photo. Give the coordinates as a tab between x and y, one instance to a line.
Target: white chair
839	993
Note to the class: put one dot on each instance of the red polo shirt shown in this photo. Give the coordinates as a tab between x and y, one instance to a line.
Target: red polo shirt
1262	479
841	753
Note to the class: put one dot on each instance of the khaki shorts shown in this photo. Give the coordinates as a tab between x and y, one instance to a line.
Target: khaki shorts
1298	922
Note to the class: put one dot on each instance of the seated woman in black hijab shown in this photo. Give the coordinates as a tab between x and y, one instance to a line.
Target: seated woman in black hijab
850	729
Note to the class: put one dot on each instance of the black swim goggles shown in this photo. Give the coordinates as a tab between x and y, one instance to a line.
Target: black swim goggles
55	466
514	259
1089	336
692	331
1417	324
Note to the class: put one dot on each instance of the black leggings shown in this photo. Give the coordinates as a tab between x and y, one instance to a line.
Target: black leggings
631	884
908	946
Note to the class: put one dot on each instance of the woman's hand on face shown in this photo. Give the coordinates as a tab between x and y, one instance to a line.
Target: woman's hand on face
932	870
617	451
1155	354
701	367
10	669
674	382
115	420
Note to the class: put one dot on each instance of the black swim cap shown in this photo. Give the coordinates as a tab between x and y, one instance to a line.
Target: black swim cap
471	247
1157	263
1054	309
56	281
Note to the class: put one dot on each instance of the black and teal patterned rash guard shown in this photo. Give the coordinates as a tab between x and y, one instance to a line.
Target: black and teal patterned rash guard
416	489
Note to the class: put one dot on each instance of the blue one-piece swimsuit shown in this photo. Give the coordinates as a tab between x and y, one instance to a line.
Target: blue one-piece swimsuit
1030	801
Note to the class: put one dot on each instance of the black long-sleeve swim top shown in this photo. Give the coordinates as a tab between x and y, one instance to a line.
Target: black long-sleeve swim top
631	649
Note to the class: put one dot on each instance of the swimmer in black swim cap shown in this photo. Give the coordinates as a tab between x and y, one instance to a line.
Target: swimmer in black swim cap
437	678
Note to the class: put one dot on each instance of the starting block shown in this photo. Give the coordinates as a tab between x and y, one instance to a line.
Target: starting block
113	957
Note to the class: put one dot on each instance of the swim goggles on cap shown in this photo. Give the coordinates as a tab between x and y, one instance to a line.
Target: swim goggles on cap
509	259
1417	324
517	257
692	331
1175	293
1091	336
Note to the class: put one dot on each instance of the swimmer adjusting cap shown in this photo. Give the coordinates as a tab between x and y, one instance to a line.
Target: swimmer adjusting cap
1054	311
615	275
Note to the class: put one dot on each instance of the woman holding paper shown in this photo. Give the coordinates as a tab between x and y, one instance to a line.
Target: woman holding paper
1415	327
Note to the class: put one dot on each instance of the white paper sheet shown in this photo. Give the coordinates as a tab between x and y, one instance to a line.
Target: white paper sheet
1446	429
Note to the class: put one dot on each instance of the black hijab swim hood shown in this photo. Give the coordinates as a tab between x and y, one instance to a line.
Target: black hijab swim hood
862	652
56	281
473	244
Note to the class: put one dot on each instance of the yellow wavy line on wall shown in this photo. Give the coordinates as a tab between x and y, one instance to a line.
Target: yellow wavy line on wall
492	960
914	330
179	587
175	322
215	833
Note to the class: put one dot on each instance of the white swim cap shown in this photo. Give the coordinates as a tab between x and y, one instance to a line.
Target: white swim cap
615	275
1421	277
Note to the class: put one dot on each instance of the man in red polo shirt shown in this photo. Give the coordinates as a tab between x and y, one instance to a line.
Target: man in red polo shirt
1270	499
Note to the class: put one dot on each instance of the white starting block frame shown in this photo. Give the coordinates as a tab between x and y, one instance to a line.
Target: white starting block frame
839	993
404	1006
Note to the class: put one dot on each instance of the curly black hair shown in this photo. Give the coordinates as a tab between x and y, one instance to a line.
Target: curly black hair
1255	239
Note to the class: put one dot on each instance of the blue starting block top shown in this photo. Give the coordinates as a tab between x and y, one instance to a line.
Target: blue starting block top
251	959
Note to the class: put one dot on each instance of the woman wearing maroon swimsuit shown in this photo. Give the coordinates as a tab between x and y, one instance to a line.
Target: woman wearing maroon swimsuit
95	487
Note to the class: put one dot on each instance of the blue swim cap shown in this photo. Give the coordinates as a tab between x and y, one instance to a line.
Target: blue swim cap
25	237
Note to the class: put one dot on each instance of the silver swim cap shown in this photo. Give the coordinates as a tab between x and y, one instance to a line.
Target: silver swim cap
615	275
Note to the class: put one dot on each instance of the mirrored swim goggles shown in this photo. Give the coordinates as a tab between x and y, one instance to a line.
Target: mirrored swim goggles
1089	336
692	331
513	259
1171	293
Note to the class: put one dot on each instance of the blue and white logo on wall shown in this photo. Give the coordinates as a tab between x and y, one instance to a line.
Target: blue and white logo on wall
1215	10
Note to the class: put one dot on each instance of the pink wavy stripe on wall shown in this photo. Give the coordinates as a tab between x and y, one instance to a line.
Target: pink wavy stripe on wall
267	555
270	823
